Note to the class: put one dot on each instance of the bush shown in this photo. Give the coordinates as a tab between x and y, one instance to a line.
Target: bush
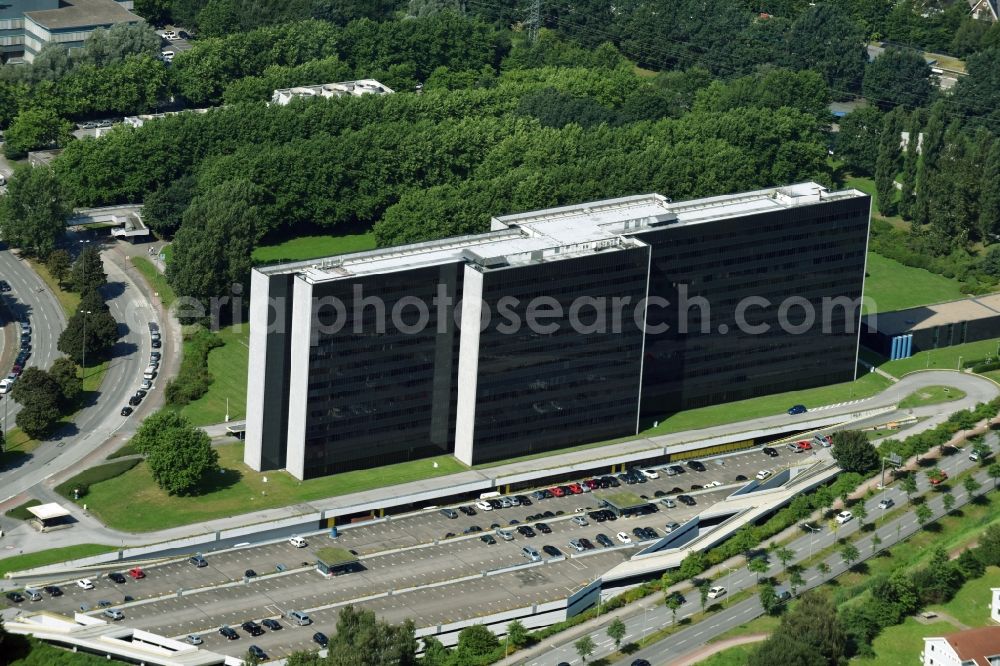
89	477
193	380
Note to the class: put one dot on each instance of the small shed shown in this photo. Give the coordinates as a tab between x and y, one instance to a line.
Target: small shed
49	516
333	561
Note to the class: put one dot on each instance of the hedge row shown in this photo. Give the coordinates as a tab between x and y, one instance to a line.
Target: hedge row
89	477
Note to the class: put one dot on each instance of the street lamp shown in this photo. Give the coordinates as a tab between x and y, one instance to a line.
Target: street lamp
959	363
83	367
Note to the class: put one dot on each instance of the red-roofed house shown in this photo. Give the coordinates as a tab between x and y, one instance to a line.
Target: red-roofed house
975	647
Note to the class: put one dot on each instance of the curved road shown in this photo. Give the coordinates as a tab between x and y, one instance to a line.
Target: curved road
30	296
100	418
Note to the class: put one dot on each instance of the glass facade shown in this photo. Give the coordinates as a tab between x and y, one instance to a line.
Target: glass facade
379	393
795	257
538	390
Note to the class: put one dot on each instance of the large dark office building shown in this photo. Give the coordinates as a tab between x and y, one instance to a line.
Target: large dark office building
557	327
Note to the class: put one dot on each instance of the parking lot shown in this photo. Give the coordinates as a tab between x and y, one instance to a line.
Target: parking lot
433	570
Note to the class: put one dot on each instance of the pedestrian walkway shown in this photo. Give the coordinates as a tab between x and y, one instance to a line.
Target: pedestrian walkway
879	371
712	648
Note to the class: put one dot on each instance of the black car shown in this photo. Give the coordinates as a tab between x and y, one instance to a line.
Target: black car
271	624
252	628
697	486
548	514
660	493
472	529
604	540
156	344
134	400
551	551
740	477
16	597
526	531
116	577
613	482
4	286
543	528
488	539
523	499
126	410
449	535
696	466
514	521
770	451
53	590
640	662
320	639
651	533
467	510
687	499
495	504
597	516
586	543
257	652
228	632
250	573
639	533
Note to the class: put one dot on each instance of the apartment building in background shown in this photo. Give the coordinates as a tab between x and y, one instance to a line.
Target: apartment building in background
28	25
337	382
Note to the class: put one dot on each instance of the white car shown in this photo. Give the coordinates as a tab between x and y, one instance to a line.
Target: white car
85	583
624	537
167	56
169	35
483	505
716	592
844	517
886	503
763	474
713	484
6	385
298	542
650	474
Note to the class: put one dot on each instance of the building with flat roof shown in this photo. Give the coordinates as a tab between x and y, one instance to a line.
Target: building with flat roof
27	25
357	88
555	328
902	333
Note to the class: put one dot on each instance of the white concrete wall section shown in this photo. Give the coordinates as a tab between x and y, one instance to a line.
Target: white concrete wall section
468	364
259	292
298	385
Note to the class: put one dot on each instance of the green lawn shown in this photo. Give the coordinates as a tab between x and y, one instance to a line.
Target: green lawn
67	299
53	556
20	512
156	280
763	624
312	247
901	645
238	489
734	656
945	358
228	365
27	651
971	605
869	384
890	286
931	395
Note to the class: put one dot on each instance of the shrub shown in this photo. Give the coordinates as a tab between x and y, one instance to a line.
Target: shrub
193	380
89	477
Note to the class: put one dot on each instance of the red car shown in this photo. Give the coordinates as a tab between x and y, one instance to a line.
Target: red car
803	445
575	488
136	573
592	484
939	478
556	491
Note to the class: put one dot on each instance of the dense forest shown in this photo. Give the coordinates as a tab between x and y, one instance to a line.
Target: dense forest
493	116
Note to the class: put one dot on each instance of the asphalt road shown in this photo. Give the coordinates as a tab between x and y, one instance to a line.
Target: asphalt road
29	296
100	418
901	524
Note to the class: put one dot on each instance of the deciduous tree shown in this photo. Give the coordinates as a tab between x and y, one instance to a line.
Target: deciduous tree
584	647
853	452
616	631
33	214
898	77
58	263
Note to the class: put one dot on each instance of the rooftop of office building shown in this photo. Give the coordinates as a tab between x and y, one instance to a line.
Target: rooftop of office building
83	14
939	314
555	234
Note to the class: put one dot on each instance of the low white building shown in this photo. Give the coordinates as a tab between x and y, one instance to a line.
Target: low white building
345	88
974	647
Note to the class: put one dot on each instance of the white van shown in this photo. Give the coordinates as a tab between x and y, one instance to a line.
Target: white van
298	542
489	496
299	618
150	373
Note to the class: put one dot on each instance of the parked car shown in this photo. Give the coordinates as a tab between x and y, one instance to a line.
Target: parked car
136	573
668	502
228	632
623	537
126	410
671	526
604	540
551	551
488	539
650	474
526	531
763	474
696	465
15	597
825	441
257	652
686	499
298	542
198	561
271	624
449	513
116	577
114	614
252	628
320	639
579	520
194	639
53	590
85	583
543	528
770	451
504	534
249	573
483	505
